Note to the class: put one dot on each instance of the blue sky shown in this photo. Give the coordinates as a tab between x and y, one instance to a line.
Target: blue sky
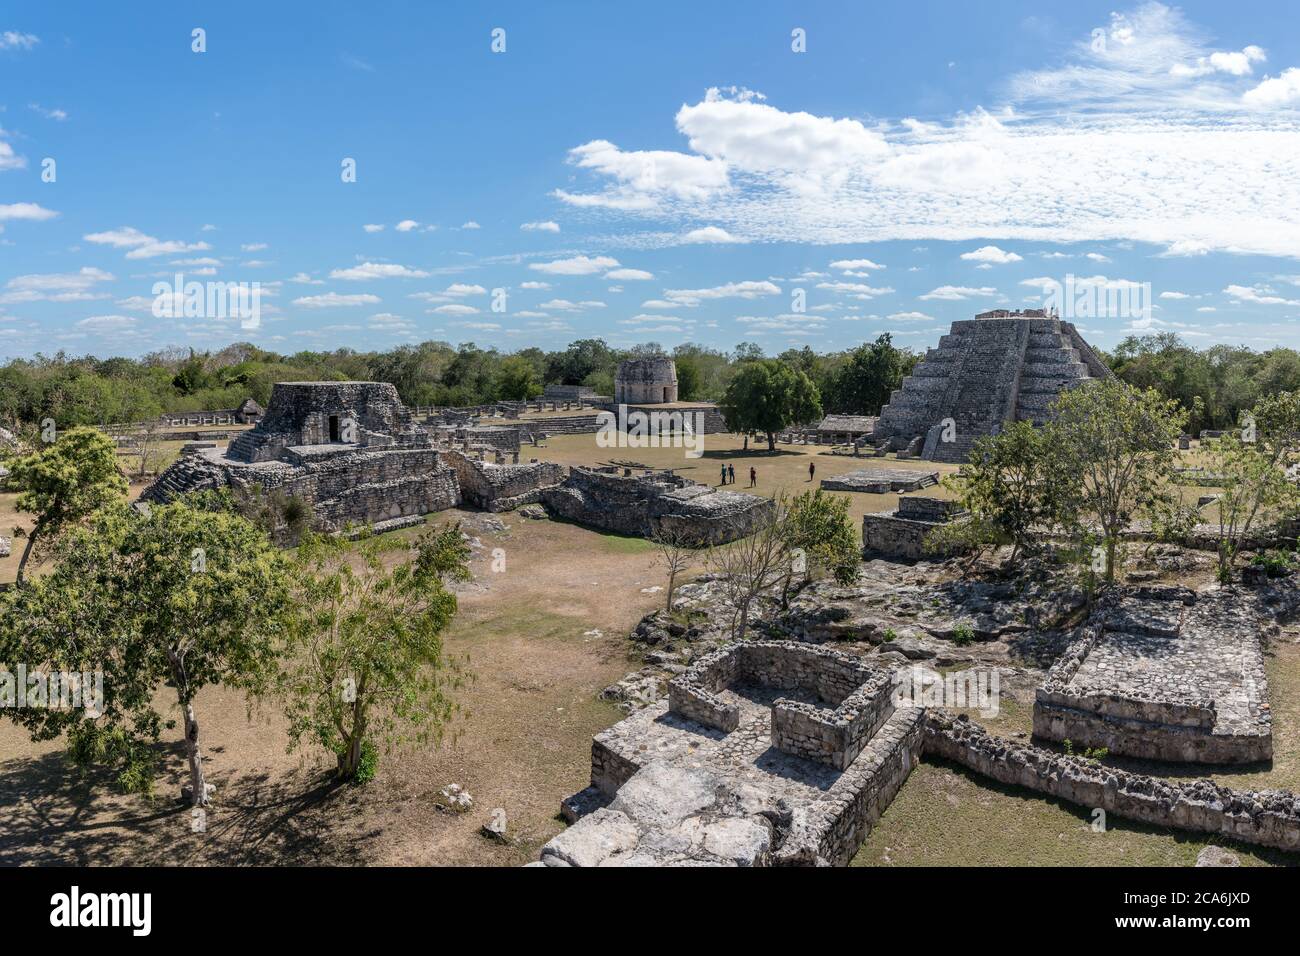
651	172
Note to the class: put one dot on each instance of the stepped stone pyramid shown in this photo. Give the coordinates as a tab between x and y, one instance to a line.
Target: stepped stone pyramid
999	367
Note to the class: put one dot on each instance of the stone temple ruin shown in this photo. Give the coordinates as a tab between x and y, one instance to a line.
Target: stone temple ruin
613	499
647	381
349	449
999	367
766	753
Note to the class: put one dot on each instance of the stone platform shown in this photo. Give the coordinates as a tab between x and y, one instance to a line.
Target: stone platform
670	789
881	480
1175	676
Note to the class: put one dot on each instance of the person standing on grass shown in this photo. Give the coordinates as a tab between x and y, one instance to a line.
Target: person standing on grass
731	474
753	476
724	474
812	469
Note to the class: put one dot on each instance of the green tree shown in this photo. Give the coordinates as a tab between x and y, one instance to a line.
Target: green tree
1119	441
367	658
766	395
863	384
1253	465
182	595
1015	488
517	379
818	526
63	482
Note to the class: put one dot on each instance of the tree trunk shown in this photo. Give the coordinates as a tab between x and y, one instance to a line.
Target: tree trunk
744	621
672	579
27	553
746	448
1111	545
771	441
198	786
350	759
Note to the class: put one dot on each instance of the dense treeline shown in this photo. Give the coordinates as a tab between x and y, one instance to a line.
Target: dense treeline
91	391
1213	385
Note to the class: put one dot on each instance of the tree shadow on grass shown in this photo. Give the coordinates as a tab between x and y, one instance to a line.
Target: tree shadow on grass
53	813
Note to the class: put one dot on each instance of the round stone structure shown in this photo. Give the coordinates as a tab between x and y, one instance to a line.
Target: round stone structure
646	381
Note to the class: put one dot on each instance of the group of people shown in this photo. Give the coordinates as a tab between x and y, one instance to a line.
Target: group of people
729	475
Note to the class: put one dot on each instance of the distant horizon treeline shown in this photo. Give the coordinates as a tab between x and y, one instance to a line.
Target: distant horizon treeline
1215	384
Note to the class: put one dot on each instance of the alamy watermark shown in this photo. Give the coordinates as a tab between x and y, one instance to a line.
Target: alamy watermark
52	690
638	429
975	687
208	300
1087	298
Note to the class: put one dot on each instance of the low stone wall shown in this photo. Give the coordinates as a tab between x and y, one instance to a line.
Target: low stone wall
853	698
832	831
1264	817
890	534
498	488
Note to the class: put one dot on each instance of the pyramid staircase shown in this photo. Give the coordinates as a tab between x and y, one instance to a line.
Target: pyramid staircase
983	373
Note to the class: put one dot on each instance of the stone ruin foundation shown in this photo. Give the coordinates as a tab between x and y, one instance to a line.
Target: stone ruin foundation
614	499
766	753
901	533
881	480
1180	678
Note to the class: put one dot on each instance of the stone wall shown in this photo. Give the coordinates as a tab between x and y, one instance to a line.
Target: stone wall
642	505
1264	817
858	693
1176	676
894	534
494	487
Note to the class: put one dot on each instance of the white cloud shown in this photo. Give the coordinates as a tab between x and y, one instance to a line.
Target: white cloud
54	114
1102	145
710	234
628	275
731	290
331	299
576	266
1259	295
534	285
455	308
56	287
106	323
991	255
471	224
458	289
378	270
954	293
14	40
1276	91
373	227
253	246
30	211
911	317
855	266
857	289
1174	295
547	226
303	278
406	225
143	246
